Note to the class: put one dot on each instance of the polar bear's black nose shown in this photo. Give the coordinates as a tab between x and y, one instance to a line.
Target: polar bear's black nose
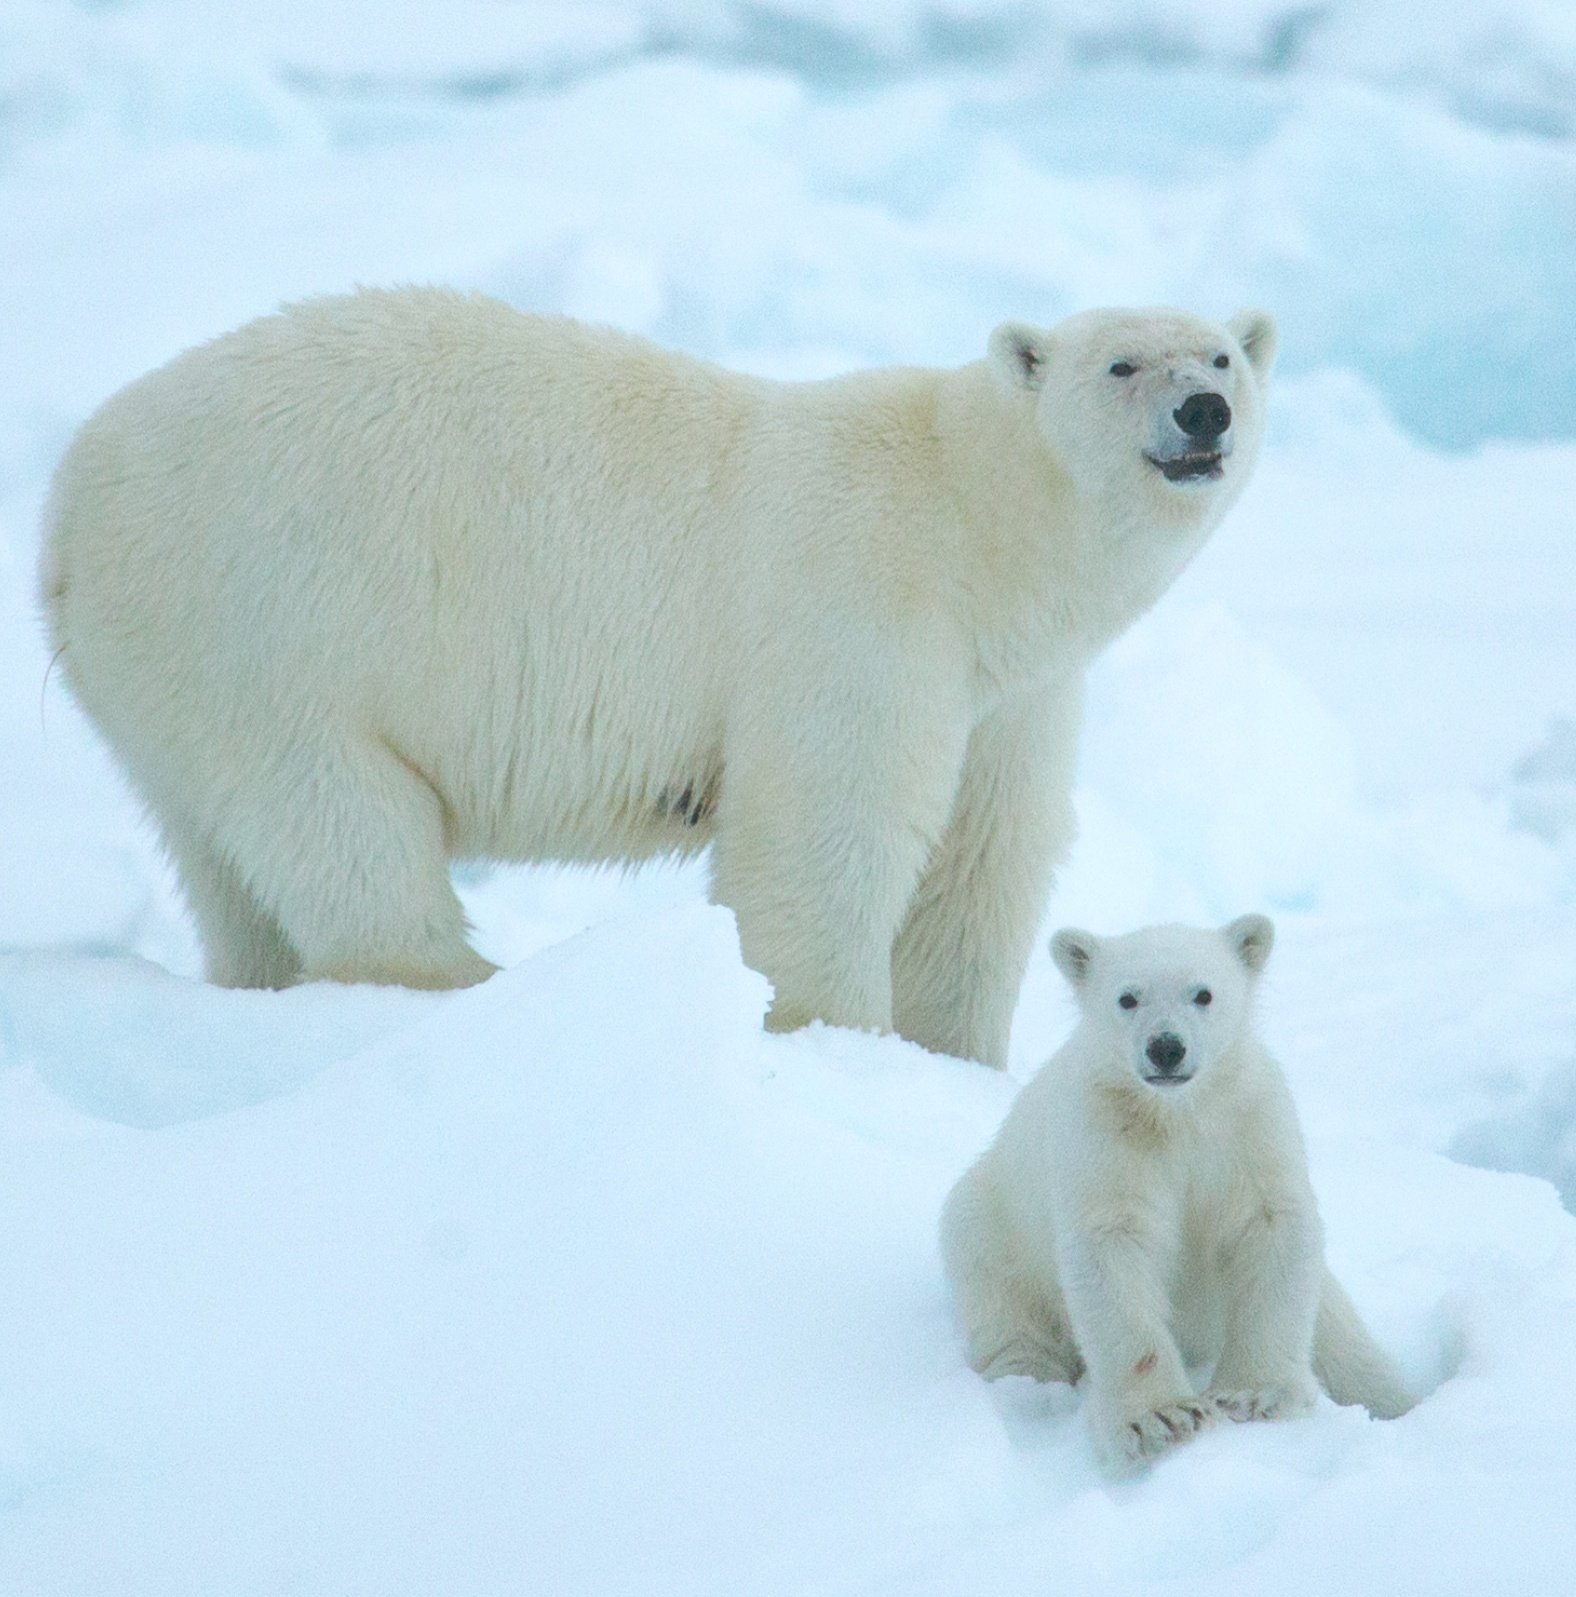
1166	1051
1203	416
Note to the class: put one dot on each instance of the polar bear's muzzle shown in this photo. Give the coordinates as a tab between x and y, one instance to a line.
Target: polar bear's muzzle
1203	420
1193	465
1165	1052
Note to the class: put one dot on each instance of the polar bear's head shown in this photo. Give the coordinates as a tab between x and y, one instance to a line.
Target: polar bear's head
1168	1002
1149	405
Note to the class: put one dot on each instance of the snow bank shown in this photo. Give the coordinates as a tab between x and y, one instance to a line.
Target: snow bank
1543	785
547	1293
565	1280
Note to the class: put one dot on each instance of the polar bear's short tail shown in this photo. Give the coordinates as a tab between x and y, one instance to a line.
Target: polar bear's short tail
1350	1365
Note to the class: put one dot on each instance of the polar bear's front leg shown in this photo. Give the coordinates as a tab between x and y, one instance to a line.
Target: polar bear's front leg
1272	1271
833	797
960	958
1114	1273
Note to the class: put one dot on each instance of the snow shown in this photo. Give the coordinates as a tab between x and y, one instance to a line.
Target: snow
580	1283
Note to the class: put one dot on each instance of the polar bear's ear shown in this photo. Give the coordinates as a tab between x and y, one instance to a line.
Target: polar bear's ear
1073	952
1018	353
1251	938
1255	331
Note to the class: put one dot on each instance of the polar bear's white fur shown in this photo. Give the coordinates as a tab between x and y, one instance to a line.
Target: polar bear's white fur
392	578
1146	1208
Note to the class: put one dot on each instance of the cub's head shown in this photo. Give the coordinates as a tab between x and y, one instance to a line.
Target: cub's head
1156	408
1170	1000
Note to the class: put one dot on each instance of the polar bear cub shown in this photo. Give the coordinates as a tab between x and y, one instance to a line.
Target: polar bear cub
1146	1208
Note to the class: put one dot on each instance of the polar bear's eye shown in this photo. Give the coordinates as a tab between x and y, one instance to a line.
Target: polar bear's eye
1223	361
1203	998
1128	1000
1123	368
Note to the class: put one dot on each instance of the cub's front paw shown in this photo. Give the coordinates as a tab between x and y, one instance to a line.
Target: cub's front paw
1135	1437
1273	1400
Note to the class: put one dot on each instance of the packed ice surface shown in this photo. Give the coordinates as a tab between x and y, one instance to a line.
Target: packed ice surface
578	1282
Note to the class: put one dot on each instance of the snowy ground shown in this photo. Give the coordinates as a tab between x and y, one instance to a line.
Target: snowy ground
579	1284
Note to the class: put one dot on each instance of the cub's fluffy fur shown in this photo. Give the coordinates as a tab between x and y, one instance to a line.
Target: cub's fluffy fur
1146	1208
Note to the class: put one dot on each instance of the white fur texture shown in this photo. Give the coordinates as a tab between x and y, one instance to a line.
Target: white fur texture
388	579
1132	1229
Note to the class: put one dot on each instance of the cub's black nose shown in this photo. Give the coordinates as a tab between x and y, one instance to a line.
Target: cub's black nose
1203	416
1166	1051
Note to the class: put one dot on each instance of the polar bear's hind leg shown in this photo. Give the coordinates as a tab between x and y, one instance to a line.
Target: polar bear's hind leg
244	944
1349	1364
344	846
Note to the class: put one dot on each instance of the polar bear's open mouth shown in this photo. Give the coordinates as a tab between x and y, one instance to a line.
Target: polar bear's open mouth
1198	465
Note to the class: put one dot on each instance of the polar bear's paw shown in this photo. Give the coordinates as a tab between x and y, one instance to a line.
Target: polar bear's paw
1147	1434
1039	1361
1275	1400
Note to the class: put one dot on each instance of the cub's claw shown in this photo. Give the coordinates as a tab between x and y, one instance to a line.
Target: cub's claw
1149	1434
1282	1400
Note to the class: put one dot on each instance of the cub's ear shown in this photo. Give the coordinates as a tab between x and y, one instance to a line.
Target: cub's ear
1074	952
1255	331
1251	938
1018	353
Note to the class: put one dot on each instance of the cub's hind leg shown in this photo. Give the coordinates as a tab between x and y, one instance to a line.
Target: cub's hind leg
1350	1365
1013	1331
1014	1323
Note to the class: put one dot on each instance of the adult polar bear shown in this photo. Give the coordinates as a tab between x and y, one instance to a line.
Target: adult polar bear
387	579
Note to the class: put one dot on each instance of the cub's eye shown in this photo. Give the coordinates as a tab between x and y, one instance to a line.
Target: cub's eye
1128	1000
1223	361
1203	998
1123	368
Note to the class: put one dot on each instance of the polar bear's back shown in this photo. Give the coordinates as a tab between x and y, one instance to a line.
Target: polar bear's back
417	513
